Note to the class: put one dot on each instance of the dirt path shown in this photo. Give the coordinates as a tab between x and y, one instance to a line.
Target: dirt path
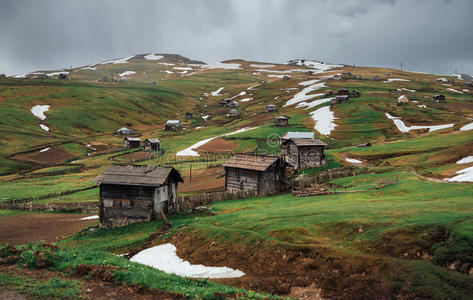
48	227
427	178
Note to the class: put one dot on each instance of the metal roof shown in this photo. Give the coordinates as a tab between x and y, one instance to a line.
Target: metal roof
298	135
282	118
251	162
308	142
152	141
173	122
137	175
132	139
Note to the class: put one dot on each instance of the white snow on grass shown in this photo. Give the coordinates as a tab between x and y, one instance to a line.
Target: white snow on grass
465	175
323	118
314	103
252	87
309	82
205	117
246	99
190	152
164	258
126	73
277	76
117	61
90	218
57	73
314	64
404	128
220	65
44	127
261	66
466	90
39	110
465	160
454	90
442	79
395	79
217	92
45	149
166	64
304	94
353	161
404	89
153	56
89	68
467	127
282	71
183	68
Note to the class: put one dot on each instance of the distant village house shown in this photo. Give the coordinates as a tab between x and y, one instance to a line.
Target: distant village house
339	99
124	131
132	142
152	145
260	174
172	125
402	100
270	108
281	121
233	113
130	194
438	98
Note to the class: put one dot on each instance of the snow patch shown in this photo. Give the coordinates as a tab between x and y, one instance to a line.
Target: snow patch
117	61
153	56
454	90
217	92
164	258
261	66
90	218
277	76
395	79
314	64
353	161
220	65
314	103
89	68
465	175
205	117
45	149
465	160
190	152
126	73
183	68
57	73
403	128
39	110
304	94
246	99
467	127
323	118
44	127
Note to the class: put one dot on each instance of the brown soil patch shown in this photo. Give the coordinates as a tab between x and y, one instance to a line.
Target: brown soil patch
48	227
218	145
296	270
93	288
204	180
138	156
54	156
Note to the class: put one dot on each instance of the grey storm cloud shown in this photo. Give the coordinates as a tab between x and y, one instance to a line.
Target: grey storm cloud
427	35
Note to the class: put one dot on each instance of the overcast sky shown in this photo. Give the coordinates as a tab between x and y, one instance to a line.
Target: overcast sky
427	35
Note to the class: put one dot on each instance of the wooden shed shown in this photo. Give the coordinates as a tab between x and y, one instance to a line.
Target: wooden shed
302	151
402	100
131	142
270	107
152	145
343	92
130	194
281	121
172	125
261	174
438	98
233	113
339	99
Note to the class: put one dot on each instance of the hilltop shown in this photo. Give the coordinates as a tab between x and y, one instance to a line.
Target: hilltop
58	134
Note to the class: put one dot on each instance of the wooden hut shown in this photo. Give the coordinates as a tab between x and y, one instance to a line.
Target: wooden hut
233	113
281	121
172	125
124	131
152	145
302	151
343	92
131	142
339	99
270	108
438	98
260	174
286	77
130	194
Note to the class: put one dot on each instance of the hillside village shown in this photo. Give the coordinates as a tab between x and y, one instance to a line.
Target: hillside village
301	179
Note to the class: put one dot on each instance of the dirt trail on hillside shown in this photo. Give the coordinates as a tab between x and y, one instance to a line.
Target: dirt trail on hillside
47	227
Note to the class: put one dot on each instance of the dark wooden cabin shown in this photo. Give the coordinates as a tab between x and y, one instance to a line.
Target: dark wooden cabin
261	174
302	151
438	98
343	92
152	145
281	121
172	125
131	142
130	194
270	108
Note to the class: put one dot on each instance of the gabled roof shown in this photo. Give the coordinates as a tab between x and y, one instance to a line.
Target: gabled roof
124	129
251	162
137	175
308	142
173	122
298	135
132	139
282	118
152	141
